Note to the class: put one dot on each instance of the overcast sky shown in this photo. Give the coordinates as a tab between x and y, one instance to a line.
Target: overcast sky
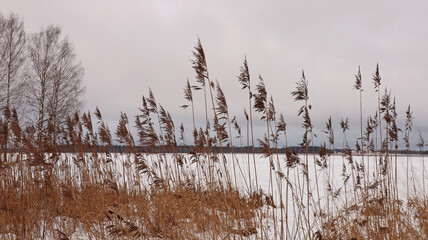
128	46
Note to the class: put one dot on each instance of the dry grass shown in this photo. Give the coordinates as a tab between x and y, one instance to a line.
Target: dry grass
65	183
40	203
74	190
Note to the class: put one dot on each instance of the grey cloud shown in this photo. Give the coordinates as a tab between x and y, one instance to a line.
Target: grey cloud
128	46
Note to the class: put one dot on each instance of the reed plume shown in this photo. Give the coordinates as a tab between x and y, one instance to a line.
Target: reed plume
407	129
301	94
245	80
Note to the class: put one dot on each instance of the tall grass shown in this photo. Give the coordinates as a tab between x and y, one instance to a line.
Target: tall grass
82	180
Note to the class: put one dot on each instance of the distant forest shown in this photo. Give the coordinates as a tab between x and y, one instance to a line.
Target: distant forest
240	150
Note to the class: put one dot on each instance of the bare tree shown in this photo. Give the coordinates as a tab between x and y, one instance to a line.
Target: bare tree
12	57
53	80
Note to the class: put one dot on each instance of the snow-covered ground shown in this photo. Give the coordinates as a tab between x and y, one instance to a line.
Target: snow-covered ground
123	169
409	171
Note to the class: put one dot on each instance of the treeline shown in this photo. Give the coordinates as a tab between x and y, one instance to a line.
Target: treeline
40	77
240	150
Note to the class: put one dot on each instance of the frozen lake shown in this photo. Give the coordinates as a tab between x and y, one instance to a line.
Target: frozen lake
122	170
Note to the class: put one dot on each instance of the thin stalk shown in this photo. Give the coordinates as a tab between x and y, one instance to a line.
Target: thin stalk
301	94
245	80
421	145
408	129
248	151
286	191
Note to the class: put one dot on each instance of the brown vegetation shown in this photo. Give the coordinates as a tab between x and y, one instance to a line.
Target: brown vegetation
64	182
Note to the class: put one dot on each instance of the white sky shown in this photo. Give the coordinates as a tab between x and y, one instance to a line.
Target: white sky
128	46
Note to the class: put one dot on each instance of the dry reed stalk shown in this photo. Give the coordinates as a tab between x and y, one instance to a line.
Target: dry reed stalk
237	127
345	126
386	109
421	146
152	108
245	80
301	94
248	149
377	82
330	137
188	95
358	86
261	105
200	66
223	115
394	145
281	126
407	129
277	127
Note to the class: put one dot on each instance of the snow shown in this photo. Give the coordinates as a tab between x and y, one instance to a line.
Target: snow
124	174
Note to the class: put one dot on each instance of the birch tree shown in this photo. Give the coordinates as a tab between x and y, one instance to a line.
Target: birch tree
12	57
53	80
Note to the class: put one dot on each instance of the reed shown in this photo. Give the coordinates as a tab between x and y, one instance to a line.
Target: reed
359	87
141	181
301	94
421	146
407	129
245	80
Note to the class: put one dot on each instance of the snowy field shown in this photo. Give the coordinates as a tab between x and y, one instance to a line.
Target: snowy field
123	171
296	179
